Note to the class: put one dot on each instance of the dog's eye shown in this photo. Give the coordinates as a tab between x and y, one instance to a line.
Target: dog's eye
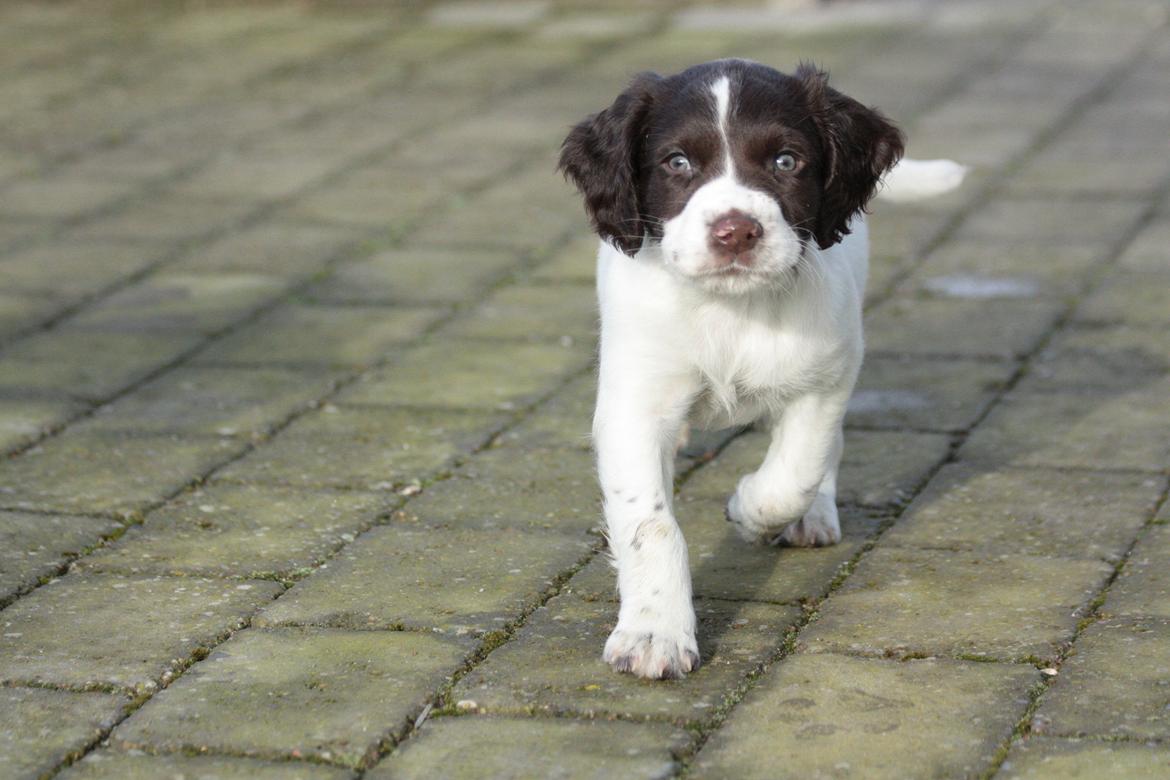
678	163
785	162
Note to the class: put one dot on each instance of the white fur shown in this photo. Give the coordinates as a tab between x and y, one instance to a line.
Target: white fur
721	90
680	343
684	239
917	179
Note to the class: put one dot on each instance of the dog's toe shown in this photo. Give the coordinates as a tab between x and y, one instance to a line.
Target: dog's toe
652	656
819	527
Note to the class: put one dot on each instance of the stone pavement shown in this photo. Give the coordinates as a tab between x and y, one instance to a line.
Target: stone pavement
296	343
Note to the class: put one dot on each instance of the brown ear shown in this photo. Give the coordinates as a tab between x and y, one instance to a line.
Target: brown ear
601	156
860	146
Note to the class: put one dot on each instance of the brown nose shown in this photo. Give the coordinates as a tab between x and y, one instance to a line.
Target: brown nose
735	233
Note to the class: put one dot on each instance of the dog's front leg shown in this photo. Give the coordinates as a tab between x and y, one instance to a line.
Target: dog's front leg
792	498
635	429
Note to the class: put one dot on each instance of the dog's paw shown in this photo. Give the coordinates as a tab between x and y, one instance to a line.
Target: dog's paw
819	527
747	526
652	655
758	520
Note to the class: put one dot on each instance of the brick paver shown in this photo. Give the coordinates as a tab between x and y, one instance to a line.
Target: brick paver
296	343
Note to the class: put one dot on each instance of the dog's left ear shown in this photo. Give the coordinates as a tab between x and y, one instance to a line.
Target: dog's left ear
601	155
860	146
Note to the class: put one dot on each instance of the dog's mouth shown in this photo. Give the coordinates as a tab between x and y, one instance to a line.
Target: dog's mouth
737	266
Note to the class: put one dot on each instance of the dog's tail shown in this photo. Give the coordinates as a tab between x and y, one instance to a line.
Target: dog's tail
912	180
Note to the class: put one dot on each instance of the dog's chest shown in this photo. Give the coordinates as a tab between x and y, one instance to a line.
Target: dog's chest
751	361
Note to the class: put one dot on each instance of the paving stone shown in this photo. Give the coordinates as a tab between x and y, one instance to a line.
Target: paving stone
477	13
991	328
1131	298
134	161
724	566
453	156
67	267
513	129
513	487
898	233
1000	606
62	361
279	247
1143	587
129	632
411	276
980	287
210	400
33	546
989	140
554	665
170	218
100	472
565	420
1147	251
457	580
1056	269
1114	683
366	448
1114	429
832	716
598	25
257	174
60	197
24	419
537	312
135	765
189	303
14	230
242	531
1052	218
469	374
1061	170
323	335
886	273
251	694
576	261
40	728
1114	358
492	68
371	205
530	212
879	468
673	52
1058	759
527	749
24	312
1031	511
943	395
1123	155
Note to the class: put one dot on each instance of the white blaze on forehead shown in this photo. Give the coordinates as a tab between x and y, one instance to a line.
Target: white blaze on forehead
721	89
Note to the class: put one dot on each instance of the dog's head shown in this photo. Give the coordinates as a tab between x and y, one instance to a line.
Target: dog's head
731	167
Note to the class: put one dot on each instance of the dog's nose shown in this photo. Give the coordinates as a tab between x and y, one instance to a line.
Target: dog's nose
736	233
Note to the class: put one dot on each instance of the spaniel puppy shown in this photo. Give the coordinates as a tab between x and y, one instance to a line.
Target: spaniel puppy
729	199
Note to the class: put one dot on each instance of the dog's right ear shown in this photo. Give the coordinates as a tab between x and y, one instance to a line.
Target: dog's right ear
601	156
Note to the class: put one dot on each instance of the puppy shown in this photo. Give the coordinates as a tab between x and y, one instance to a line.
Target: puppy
729	199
